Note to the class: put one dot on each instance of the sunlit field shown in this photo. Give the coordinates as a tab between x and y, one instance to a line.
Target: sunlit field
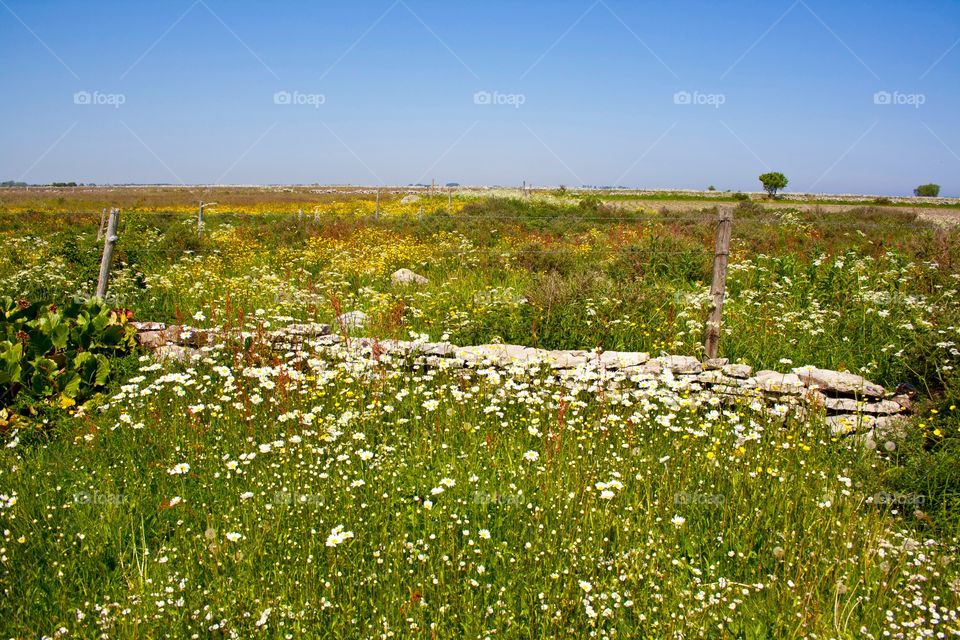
338	491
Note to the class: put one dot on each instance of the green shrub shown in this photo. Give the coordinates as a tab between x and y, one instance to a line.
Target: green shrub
63	353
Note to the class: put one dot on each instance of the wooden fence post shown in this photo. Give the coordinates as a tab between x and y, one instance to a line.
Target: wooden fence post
719	286
449	199
108	243
103	219
200	219
376	211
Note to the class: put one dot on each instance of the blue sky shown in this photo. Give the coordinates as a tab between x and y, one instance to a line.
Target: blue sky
642	94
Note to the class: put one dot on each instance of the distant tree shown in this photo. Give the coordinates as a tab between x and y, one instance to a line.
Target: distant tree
927	191
773	182
711	188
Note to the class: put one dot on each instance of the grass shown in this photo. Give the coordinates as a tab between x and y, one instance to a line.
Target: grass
205	500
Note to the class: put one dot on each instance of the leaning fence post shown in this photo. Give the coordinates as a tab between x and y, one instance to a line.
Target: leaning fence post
103	219
376	210
108	243
719	286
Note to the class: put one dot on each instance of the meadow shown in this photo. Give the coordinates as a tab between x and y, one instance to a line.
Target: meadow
342	493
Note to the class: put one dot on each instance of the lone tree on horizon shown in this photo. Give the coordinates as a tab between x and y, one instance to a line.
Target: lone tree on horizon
927	191
773	182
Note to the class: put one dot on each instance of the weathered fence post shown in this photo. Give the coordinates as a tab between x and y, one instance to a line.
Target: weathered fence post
200	219
420	214
103	219
299	214
376	211
449	199
719	286
108	243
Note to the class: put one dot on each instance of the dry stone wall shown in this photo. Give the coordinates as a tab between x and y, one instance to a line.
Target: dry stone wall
851	403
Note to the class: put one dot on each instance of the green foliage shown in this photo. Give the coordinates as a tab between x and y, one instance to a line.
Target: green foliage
49	352
927	191
773	182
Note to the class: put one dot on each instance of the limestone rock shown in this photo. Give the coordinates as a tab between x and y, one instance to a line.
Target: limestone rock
715	363
737	370
622	359
307	329
410	199
406	276
838	382
499	354
567	359
681	364
878	427
151	339
849	405
776	382
148	326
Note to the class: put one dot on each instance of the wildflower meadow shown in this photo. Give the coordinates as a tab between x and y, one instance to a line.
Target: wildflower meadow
331	489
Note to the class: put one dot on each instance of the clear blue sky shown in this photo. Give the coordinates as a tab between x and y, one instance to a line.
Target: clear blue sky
597	82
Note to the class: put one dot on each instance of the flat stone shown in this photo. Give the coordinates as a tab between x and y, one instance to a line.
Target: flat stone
148	326
715	376
444	349
622	359
307	329
499	354
849	405
715	363
410	199
877	427
151	339
406	276
737	370
738	392
776	382
839	382
904	401
681	364
567	359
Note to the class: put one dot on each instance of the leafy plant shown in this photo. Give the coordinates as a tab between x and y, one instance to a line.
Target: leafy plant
61	353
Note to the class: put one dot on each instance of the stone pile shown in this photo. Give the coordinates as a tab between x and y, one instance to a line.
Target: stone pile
851	403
